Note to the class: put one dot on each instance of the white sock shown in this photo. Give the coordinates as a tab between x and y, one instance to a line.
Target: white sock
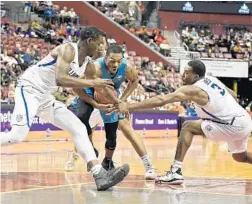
96	169
176	165
147	162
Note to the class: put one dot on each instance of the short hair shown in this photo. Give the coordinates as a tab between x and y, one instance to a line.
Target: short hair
90	32
198	67
114	49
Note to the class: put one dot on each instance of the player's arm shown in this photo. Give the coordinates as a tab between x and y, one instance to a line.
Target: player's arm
184	93
93	71
64	58
132	77
84	96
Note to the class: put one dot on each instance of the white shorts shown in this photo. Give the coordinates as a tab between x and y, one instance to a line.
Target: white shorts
235	135
95	119
30	102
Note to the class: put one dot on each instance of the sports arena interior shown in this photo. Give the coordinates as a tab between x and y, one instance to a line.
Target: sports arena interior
159	38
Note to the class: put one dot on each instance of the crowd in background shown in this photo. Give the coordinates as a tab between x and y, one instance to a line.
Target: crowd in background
235	42
128	18
24	45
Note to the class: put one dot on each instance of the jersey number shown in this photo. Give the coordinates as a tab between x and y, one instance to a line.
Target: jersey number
215	86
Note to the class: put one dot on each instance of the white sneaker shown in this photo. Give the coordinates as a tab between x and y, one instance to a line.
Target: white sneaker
150	174
175	178
70	165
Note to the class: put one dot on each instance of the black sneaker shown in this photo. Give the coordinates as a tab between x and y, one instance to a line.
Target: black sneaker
108	164
106	179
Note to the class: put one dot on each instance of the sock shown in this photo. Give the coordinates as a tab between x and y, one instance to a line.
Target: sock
96	169
176	165
147	162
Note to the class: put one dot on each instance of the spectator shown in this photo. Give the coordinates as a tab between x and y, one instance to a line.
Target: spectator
132	9
35	25
27	7
159	38
28	58
190	110
185	32
73	16
165	48
111	40
153	45
194	34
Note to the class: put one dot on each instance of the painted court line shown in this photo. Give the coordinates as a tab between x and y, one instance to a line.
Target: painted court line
168	190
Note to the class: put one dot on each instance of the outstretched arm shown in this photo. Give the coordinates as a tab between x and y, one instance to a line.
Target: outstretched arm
182	94
132	77
65	56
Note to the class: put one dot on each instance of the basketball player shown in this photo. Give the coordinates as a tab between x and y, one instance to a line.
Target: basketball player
94	120
222	118
34	96
113	66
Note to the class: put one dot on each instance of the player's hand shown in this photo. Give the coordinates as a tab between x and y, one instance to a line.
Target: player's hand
123	107
101	83
103	107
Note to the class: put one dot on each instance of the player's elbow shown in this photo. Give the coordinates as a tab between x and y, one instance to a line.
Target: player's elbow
60	81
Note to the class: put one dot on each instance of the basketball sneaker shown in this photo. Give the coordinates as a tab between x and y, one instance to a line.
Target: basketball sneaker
108	164
106	179
171	177
150	174
70	165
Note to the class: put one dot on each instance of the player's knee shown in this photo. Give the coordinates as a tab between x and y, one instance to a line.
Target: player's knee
111	140
187	126
240	157
111	144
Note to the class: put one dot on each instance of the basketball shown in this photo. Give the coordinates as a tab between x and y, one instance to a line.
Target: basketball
100	96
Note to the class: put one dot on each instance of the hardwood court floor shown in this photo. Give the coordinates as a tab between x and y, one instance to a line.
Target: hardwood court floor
33	173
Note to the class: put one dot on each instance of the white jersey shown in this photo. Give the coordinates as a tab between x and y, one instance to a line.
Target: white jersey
221	105
42	76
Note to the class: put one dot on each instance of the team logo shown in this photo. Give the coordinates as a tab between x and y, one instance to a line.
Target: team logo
209	128
19	118
188	7
244	9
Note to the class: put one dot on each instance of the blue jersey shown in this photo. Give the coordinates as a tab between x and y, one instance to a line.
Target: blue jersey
117	79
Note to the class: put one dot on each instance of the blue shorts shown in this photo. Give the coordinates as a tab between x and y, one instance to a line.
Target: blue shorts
114	117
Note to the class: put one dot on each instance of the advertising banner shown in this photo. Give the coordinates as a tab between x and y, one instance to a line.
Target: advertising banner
141	120
238	8
38	124
155	120
219	68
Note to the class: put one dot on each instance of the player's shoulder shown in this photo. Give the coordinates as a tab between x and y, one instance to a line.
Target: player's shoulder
66	47
66	51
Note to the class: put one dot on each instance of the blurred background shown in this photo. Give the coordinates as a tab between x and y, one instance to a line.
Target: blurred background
158	37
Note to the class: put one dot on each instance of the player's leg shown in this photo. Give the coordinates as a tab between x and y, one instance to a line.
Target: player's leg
239	152
138	144
84	112
188	131
94	120
66	120
110	145
26	106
